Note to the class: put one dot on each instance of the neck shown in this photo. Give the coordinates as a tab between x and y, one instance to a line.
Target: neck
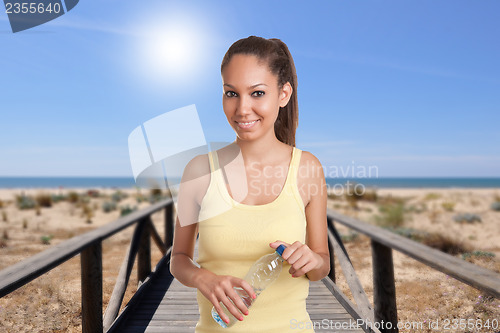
263	149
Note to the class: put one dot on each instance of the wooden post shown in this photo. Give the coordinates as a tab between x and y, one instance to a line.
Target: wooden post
91	262
332	254
384	288
144	254
169	225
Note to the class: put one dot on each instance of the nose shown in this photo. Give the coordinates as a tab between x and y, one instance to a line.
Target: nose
244	106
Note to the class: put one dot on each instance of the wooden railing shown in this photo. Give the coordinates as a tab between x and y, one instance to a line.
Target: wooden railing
89	247
384	288
382	242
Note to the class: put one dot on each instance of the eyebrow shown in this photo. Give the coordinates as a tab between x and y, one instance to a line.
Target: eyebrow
251	87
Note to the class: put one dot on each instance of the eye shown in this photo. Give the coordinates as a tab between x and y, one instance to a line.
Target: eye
230	94
258	93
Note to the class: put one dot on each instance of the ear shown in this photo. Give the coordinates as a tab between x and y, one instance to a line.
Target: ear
285	94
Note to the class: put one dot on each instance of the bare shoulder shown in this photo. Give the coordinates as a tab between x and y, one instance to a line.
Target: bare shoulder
196	178
310	166
197	167
310	177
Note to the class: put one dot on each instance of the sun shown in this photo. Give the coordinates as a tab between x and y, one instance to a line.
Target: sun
169	50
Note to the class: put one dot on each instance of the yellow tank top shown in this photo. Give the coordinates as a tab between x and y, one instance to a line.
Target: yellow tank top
232	236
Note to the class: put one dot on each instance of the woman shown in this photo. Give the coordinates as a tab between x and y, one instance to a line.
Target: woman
249	197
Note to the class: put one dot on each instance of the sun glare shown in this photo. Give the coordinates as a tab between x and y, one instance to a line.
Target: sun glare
170	51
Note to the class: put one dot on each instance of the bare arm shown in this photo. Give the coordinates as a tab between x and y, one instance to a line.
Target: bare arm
313	257
216	288
194	181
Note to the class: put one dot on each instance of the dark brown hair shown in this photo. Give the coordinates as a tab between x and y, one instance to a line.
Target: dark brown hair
281	64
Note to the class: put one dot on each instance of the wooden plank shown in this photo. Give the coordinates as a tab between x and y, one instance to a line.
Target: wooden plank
91	271
121	284
144	253
384	287
169	225
29	269
176	309
331	250
345	302
473	275
363	304
156	238
161	276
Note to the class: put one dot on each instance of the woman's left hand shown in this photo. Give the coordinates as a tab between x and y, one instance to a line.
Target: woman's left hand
300	256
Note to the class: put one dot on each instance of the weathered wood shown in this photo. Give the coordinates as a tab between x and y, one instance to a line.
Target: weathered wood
144	255
364	306
473	275
384	287
352	309
156	238
161	272
331	274
25	271
121	284
169	225
91	263
163	307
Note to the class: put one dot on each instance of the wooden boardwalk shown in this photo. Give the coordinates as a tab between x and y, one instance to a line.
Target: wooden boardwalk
162	304
165	305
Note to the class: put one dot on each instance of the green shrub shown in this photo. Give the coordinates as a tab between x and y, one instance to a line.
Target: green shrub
58	197
118	196
73	197
496	206
44	200
448	206
155	195
392	215
350	237
108	206
445	244
478	254
432	196
467	217
25	202
87	212
370	195
46	239
125	210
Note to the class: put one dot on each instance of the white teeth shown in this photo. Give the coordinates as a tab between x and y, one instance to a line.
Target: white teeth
248	123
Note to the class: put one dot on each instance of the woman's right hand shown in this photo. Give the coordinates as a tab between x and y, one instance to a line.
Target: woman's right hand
219	288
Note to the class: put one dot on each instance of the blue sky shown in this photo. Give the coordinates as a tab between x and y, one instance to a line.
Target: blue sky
411	87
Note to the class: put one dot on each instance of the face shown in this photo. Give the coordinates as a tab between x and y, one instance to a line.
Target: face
251	97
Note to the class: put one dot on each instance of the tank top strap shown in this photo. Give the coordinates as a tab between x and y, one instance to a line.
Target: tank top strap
292	177
212	159
294	165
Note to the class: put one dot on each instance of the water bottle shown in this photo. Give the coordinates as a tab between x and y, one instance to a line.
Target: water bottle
262	273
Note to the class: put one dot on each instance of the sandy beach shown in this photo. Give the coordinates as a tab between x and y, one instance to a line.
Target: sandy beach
423	294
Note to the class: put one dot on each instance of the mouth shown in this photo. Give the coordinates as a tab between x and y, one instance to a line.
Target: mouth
248	124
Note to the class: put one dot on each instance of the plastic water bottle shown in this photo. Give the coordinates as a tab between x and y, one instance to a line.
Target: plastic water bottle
262	273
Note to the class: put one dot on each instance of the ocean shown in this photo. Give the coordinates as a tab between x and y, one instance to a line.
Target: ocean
128	182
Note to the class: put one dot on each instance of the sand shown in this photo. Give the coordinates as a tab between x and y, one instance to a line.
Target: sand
423	294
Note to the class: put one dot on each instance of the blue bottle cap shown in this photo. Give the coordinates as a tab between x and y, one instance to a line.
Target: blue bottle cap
280	249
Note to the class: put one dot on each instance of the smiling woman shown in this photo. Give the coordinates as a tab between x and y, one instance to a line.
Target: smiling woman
240	221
